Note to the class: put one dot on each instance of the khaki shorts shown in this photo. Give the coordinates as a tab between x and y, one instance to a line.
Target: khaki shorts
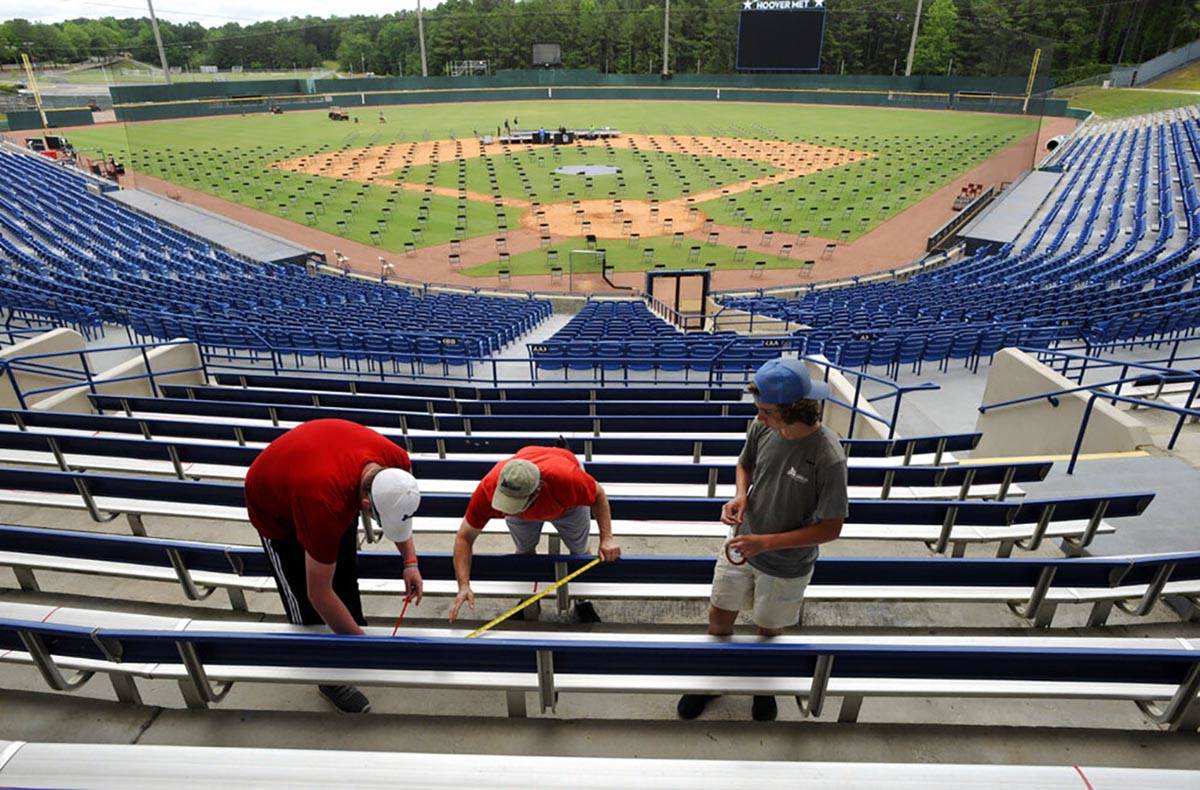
773	602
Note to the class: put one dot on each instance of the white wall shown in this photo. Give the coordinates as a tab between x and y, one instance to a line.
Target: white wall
1037	427
838	417
181	356
51	341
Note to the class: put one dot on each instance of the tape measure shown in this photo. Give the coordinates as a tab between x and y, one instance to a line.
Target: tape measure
533	598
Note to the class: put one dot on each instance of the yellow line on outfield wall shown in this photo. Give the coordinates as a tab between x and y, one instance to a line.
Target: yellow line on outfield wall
1066	457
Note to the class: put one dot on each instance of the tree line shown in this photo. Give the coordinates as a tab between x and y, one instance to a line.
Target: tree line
1079	38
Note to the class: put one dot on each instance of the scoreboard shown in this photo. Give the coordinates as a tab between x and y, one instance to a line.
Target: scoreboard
780	35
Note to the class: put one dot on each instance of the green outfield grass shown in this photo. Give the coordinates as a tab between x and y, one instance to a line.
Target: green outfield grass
914	153
845	202
1124	102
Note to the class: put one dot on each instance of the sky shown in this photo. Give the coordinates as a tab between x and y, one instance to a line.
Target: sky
210	13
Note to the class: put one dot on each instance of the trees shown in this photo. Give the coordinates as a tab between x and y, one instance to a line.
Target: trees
353	50
937	44
984	37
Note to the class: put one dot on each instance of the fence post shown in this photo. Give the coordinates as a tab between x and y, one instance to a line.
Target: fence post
149	373
854	405
895	413
1087	415
12	380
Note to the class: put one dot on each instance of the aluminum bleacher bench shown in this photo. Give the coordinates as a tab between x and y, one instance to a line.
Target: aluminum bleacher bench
444	392
557	406
1032	588
25	764
931	450
424	422
185	459
940	524
69	646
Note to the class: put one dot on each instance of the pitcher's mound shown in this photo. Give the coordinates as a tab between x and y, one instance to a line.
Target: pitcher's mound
587	170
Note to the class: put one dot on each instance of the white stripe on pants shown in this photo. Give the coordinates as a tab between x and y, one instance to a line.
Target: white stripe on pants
289	597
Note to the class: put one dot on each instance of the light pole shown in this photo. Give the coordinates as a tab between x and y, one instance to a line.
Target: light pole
162	53
912	44
421	39
666	70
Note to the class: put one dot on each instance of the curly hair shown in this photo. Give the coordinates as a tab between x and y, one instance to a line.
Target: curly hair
805	411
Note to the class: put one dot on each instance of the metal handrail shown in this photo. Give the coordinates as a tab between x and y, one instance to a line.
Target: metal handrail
1183	413
1091	360
718	372
83	375
1157	372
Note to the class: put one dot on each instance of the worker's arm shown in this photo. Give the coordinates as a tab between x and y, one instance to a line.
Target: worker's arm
414	585
823	531
464	547
318	577
735	509
602	512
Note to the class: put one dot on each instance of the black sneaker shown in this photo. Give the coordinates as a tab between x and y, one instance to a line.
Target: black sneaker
692	705
586	612
764	708
346	699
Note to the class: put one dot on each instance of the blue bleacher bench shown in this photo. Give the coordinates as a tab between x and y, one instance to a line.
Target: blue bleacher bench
1162	676
1033	588
941	524
184	459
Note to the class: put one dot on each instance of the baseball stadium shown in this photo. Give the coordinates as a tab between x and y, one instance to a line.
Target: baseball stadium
863	406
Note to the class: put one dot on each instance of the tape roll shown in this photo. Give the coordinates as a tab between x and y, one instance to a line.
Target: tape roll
733	555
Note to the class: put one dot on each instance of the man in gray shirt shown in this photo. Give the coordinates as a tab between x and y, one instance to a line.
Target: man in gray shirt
790	498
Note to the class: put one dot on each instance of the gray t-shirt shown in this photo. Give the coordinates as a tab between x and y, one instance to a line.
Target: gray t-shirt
793	484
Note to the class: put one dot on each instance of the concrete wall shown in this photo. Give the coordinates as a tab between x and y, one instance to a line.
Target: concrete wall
183	356
1038	428
49	342
838	417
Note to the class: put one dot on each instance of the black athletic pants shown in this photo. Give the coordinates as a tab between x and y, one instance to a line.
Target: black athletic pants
286	557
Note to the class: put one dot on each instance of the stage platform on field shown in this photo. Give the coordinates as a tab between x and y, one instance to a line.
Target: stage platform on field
557	136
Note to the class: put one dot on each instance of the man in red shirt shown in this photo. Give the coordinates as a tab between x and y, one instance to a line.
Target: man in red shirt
304	493
536	485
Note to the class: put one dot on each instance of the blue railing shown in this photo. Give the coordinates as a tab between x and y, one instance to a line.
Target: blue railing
1150	371
1076	365
82	373
75	369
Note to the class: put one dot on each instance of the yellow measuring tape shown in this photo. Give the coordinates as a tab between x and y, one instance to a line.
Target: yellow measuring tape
533	598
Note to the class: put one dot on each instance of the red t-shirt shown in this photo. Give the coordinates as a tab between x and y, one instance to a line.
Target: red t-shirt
564	485
305	484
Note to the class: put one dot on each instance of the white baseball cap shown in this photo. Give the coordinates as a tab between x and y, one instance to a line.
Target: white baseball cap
395	497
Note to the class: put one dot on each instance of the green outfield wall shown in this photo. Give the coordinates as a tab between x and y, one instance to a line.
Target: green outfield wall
155	102
20	120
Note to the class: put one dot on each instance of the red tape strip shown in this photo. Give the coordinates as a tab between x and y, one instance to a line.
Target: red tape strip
400	619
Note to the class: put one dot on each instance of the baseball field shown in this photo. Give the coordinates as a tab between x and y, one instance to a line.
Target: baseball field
670	190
